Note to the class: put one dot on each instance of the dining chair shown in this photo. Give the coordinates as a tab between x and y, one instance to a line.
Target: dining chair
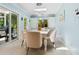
51	36
23	37
33	40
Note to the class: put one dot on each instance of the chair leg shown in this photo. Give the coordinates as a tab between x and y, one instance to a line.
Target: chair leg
54	45
27	50
22	43
45	45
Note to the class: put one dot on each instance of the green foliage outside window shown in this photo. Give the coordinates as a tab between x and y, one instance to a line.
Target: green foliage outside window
14	21
1	22
25	19
45	23
39	24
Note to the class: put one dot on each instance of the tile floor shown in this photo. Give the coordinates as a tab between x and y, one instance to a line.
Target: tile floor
14	48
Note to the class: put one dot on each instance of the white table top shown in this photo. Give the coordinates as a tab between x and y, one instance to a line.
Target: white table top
45	31
41	32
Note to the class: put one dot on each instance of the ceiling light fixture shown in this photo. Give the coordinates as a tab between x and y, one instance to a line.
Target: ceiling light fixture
38	4
40	9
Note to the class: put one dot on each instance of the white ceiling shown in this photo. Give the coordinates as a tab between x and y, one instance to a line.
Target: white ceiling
3	10
52	8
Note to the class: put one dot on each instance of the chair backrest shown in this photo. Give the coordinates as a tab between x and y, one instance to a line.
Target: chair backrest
33	39
51	30
53	35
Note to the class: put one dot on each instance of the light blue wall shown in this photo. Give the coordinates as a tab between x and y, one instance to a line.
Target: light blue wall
69	29
72	27
60	24
55	22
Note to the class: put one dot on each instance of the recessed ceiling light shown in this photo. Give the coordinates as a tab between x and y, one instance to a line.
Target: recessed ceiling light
40	9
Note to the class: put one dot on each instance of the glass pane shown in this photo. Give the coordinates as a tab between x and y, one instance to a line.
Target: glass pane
25	19
1	22
13	26
39	24
45	23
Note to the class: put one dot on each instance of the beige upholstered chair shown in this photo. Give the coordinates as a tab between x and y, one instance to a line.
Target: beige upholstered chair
33	40
23	38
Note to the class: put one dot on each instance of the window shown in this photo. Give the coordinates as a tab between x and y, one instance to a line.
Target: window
25	23
1	20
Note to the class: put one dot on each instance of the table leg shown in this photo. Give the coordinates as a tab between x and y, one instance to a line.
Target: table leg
45	44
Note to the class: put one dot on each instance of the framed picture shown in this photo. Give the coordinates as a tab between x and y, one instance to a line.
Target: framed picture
62	16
